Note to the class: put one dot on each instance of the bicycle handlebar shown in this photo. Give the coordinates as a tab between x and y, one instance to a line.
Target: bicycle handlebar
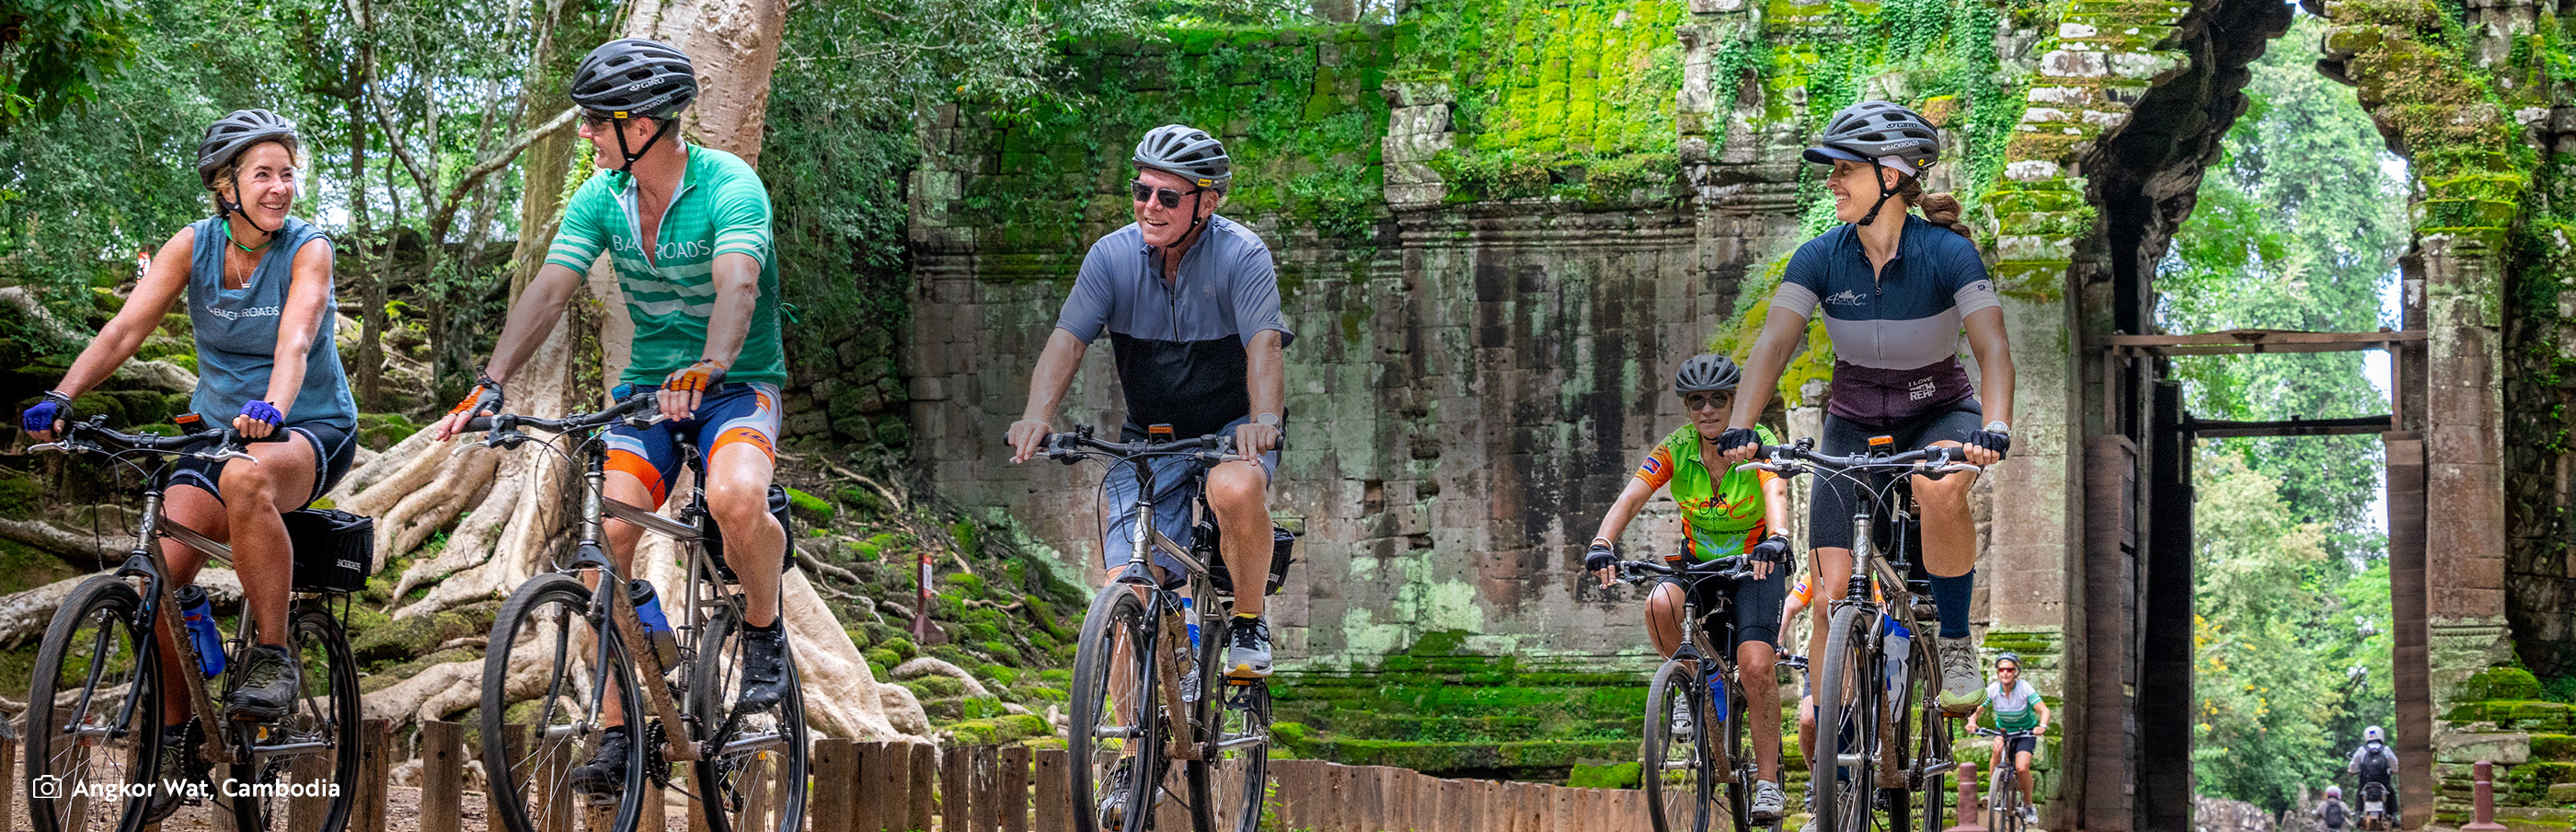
1792	460
1078	444
1729	568
1989	732
95	435
501	425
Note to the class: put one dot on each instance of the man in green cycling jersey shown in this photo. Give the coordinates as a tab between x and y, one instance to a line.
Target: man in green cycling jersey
1737	512
688	229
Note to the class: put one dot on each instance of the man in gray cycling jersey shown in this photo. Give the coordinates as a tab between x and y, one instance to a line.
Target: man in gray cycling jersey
1190	301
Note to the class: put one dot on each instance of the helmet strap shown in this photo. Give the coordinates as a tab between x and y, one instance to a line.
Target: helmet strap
1877	176
234	206
638	153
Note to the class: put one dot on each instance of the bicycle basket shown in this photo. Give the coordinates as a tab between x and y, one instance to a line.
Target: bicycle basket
778	508
334	550
1283	545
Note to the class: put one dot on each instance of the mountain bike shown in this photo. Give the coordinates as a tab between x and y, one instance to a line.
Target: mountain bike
2004	798
1880	735
93	728
1680	773
1132	716
568	652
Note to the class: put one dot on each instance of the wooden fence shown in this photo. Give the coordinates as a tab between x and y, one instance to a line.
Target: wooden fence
907	787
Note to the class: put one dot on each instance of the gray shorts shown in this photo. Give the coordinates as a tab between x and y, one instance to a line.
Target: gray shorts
1177	484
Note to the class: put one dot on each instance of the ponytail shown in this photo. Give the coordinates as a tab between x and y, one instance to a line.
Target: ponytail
1941	209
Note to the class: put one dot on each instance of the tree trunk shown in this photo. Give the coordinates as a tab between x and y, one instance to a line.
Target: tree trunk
371	292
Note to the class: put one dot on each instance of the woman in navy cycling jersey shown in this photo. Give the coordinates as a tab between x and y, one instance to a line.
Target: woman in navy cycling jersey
1896	289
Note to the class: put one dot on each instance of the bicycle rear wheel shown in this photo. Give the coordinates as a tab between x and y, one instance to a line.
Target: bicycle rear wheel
1228	789
752	778
1847	701
1679	774
548	677
104	726
303	770
1116	736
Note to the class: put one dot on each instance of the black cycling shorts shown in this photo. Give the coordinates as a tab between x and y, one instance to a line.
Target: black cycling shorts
334	451
1829	514
2018	745
1755	613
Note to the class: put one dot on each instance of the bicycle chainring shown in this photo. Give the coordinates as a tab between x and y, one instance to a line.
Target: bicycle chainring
657	765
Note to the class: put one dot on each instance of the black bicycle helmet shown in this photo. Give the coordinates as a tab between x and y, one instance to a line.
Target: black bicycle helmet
1868	130
632	77
235	132
1706	372
1187	152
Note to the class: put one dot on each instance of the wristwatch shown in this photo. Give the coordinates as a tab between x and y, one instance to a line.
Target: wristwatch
1268	420
1998	426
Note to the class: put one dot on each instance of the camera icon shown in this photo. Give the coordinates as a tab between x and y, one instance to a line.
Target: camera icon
46	787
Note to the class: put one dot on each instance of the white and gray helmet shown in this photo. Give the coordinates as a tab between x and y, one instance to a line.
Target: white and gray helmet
1866	131
1187	152
235	132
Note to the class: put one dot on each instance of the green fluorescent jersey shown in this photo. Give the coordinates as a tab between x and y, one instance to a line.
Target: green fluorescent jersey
1720	516
720	208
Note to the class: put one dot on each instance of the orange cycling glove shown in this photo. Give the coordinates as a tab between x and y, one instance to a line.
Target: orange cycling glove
483	400
702	377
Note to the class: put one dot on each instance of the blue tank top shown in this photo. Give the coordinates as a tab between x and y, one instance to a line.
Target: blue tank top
237	333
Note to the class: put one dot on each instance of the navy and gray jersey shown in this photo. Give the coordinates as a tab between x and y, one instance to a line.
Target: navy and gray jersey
1180	345
1896	333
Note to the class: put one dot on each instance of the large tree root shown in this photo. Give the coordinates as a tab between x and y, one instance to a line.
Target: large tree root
24	615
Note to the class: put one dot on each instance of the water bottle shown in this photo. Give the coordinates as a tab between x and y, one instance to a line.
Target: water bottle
199	613
1898	643
656	627
1193	619
1717	697
1190	662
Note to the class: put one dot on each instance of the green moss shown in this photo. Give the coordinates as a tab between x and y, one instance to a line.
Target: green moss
1606	775
998	729
2499	682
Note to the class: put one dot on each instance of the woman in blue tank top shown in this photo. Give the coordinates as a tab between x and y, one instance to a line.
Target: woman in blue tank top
259	294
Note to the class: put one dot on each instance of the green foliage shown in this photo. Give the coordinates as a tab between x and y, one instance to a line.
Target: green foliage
55	53
1570	100
1606	775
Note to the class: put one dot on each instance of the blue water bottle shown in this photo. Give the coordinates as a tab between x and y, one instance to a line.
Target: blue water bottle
1717	697
1193	619
657	628
199	613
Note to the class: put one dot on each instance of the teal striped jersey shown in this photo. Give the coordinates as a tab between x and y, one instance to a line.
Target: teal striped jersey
720	208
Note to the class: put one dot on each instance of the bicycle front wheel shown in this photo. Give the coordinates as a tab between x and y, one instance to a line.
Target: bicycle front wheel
2004	808
549	678
1229	787
1116	736
1679	776
752	777
303	771
1847	701
103	726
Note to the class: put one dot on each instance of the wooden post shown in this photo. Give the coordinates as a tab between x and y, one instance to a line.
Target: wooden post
2485	805
1011	791
697	808
983	780
887	770
375	744
442	775
956	790
1054	775
654	816
835	766
1968	814
8	776
925	762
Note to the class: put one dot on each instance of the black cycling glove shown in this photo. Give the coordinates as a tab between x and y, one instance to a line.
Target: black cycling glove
1599	557
1992	440
1735	438
1774	549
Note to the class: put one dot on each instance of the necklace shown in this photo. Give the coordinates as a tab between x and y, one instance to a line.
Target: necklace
228	237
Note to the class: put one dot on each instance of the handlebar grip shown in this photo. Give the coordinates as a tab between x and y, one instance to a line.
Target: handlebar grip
477	424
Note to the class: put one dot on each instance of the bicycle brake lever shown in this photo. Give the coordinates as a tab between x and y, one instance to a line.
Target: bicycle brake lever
50	446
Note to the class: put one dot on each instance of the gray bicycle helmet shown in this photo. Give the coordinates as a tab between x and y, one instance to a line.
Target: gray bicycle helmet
1706	372
1865	131
235	132
2009	656
631	77
1187	152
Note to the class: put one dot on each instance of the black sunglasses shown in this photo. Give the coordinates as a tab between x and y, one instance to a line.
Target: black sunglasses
1168	197
1695	401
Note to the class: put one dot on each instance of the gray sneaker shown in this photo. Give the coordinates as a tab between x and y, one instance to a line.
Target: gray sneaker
1682	724
2029	814
268	686
1768	802
1247	654
1963	686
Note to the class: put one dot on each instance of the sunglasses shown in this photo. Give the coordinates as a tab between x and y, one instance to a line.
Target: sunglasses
1695	401
1168	197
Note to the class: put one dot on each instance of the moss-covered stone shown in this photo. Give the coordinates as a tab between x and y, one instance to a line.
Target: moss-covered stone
2500	682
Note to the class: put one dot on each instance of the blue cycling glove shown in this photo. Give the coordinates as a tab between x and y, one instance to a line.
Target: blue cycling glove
55	407
263	411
